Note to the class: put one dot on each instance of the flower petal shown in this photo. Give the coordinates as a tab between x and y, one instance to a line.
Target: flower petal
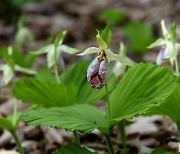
164	29
172	50
24	70
67	49
123	50
111	56
163	56
89	51
7	74
101	42
157	43
42	50
51	56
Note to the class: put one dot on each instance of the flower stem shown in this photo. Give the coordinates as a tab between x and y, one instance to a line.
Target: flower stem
109	143
123	134
76	137
56	66
56	73
18	142
177	68
15	112
107	94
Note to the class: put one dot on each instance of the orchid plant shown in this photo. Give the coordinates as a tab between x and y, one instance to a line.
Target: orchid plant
11	123
70	104
169	52
54	50
169	46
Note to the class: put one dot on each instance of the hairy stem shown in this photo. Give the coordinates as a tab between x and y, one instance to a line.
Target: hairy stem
109	143
18	143
107	94
123	134
76	137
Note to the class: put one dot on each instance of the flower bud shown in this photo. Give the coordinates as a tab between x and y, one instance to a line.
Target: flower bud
98	73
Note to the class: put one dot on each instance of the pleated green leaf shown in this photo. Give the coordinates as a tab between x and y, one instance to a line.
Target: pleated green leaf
171	107
83	117
73	149
143	86
74	88
44	93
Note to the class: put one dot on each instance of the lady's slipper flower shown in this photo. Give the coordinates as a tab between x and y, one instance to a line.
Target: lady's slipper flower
54	50
9	70
169	45
98	72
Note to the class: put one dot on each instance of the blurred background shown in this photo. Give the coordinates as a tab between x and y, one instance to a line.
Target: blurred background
134	22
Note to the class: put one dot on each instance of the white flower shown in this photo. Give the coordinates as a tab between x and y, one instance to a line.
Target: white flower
8	70
53	51
167	43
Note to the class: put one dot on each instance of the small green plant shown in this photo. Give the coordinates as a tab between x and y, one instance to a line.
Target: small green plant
10	124
11	57
69	104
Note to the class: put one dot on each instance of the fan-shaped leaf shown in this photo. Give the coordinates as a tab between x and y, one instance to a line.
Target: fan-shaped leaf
143	86
44	93
72	149
83	117
171	107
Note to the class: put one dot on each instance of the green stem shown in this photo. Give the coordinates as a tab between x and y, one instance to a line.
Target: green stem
76	137
107	94
18	143
177	68
56	66
15	112
56	73
109	143
123	134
